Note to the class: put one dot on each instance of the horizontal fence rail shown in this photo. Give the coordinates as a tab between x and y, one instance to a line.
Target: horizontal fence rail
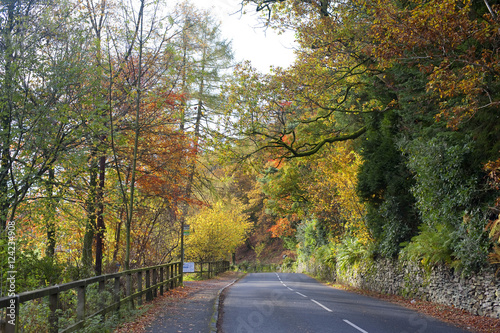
123	287
210	268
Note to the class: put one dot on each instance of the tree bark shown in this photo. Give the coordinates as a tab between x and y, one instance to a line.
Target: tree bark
50	225
90	227
100	227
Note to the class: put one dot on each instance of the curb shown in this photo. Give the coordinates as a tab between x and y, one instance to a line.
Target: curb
215	315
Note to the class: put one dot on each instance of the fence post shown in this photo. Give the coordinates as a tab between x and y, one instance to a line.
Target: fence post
129	289
155	282
53	318
102	288
80	305
171	275
181	274
169	270
149	296
174	276
161	280
139	286
116	292
167	277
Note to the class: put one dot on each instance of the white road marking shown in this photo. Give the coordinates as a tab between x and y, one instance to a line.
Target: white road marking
324	307
356	327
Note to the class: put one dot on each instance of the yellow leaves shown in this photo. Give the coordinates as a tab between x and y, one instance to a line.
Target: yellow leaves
334	187
441	25
216	231
460	91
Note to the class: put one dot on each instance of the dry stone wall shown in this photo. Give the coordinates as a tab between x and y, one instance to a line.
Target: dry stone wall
477	293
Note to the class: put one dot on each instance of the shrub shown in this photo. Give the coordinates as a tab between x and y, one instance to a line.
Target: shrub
433	245
351	252
450	201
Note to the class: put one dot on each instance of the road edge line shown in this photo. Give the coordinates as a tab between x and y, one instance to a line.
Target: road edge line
215	315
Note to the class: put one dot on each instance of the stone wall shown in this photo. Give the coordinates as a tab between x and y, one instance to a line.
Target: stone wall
477	293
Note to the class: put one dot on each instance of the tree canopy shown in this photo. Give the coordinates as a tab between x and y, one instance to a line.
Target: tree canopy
413	85
121	122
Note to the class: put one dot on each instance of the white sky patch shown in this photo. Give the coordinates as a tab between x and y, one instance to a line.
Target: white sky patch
262	47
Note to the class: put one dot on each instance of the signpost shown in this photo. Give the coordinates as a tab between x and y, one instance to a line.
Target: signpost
188	267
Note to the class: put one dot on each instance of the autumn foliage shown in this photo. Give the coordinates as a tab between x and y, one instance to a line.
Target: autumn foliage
216	231
282	228
453	42
389	106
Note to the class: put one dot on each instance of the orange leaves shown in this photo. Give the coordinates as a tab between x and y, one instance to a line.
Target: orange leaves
447	40
493	169
421	29
282	228
459	92
163	163
163	150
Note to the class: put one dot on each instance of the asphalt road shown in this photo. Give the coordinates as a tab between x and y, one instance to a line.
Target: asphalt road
288	302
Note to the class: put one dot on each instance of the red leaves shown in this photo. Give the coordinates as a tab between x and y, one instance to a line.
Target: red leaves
282	228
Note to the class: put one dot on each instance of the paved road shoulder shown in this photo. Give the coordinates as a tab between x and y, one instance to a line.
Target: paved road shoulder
185	309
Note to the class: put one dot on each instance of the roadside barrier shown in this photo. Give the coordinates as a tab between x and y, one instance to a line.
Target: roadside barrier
123	287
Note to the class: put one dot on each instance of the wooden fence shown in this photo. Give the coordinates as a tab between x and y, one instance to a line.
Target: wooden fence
210	268
123	287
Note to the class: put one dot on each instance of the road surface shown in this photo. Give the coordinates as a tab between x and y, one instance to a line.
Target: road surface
289	302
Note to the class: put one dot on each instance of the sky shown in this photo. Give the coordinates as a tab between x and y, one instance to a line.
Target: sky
262	47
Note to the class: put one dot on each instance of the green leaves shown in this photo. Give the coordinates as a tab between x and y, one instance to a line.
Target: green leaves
444	185
449	200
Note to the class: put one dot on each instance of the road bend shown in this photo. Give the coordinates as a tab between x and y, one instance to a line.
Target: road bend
290	302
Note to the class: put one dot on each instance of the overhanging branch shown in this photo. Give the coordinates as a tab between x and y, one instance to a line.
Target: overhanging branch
317	146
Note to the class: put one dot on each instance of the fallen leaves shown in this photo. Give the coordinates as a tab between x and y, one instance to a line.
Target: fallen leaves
156	307
178	303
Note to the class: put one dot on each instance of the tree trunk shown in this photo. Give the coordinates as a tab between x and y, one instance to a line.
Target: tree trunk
117	236
50	225
100	227
128	225
88	238
6	115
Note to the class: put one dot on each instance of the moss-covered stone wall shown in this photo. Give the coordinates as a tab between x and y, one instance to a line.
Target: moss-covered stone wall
476	293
